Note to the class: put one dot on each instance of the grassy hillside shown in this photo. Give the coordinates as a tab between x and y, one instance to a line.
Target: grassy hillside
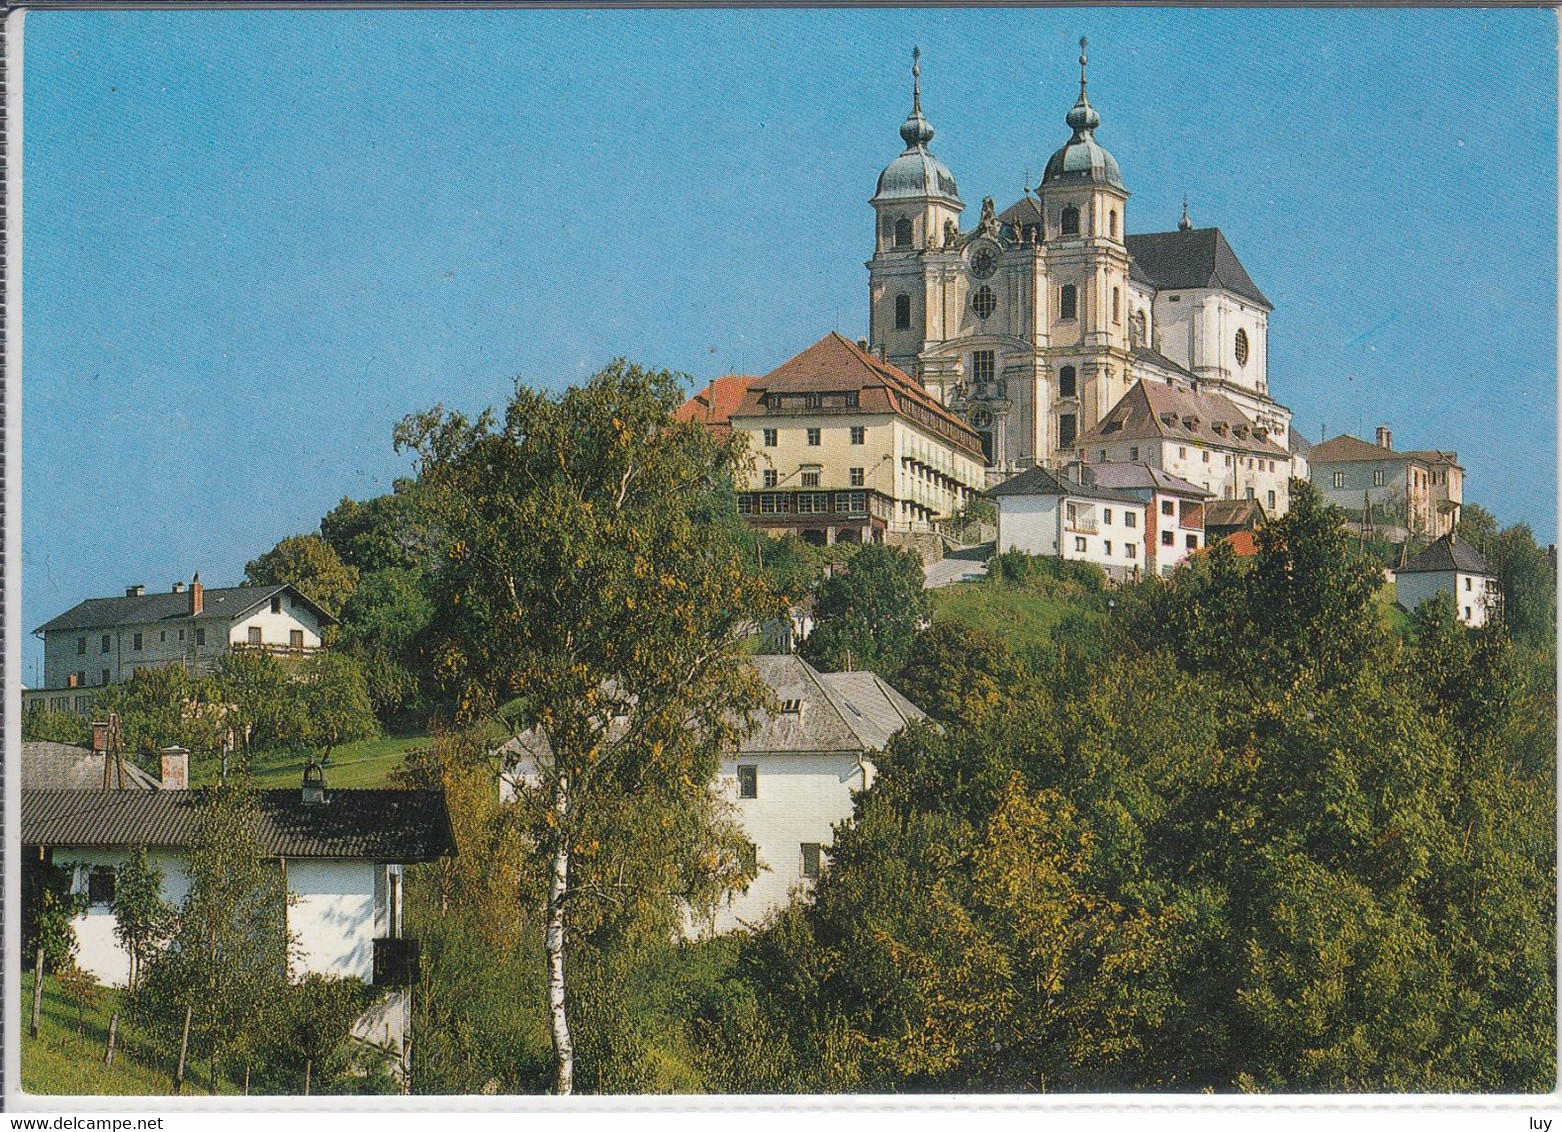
365	764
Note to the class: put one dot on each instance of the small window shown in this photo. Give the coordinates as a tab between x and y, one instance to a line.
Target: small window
1339	479
1133	455
984	302
135	642
1107	548
1241	347
902	312
104	681
1167	507
1068	223
1206	457
1377	481
1250	492
295	638
1106	516
1182	452
858	477
200	636
1111	224
813	437
812	856
810	479
903	233
276	603
162	638
1130	520
748	782
859	434
1467	583
1467	613
1228	459
81	646
1168	539
254	634
1079	543
1193	542
1068	382
106	642
181	634
1068	425
1100	455
100	885
771	438
1117	309
770	477
984	365
1130	551
1271	502
1068	302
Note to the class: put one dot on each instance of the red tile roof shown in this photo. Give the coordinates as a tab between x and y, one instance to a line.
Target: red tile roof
1153	411
715	404
836	365
1242	543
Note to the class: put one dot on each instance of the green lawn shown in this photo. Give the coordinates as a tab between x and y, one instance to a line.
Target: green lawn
364	764
61	1062
1022	616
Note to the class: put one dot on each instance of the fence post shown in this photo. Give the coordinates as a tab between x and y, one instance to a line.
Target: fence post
37	992
184	1047
309	1065
113	1030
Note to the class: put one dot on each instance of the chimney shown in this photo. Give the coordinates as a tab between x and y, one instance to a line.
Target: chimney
197	596
100	735
879	350
178	588
135	591
1385	437
314	784
862	344
176	768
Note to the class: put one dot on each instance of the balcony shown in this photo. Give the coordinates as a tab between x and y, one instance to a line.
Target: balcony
274	649
395	962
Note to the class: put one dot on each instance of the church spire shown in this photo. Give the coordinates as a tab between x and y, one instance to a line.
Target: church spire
1083	117
916	130
1185	224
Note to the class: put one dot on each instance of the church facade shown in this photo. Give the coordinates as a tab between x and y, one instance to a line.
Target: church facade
1035	323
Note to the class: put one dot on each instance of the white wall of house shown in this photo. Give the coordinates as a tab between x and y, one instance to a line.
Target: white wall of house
1028	523
276	628
799	800
1110	534
1475	595
97	950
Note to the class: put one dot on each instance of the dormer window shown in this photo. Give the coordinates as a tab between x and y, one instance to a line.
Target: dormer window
1068	223
903	233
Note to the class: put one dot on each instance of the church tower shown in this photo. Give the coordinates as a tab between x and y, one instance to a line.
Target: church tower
1084	332
916	213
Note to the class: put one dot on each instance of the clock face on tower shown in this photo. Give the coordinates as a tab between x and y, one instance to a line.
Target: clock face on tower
984	261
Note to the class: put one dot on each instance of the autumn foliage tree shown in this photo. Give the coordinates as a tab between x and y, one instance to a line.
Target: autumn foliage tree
593	585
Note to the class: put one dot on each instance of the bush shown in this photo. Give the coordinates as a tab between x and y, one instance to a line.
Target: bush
1046	572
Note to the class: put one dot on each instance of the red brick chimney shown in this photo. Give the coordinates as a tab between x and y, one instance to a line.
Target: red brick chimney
1385	437
197	596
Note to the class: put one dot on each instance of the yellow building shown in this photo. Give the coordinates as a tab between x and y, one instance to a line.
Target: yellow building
847	448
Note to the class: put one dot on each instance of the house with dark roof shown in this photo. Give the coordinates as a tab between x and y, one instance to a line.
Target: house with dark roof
1195	435
791	780
848	448
104	640
1225	517
1069	514
1032	322
1454	567
341	853
1394	495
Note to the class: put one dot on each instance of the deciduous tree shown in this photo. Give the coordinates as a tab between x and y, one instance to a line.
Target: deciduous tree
311	565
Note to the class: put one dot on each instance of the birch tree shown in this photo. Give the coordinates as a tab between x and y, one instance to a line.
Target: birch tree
593	586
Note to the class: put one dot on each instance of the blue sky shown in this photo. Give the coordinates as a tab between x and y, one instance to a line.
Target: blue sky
253	241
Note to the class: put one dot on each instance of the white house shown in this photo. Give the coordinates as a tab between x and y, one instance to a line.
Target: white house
1173	513
1457	568
340	851
105	640
1067	515
791	781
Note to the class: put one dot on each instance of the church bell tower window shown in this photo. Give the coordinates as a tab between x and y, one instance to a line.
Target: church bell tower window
1241	347
983	365
1069	223
1068	302
1068	386
984	302
903	233
902	312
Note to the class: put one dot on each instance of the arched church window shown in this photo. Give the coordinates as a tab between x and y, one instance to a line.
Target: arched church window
1070	221
1241	347
902	312
1117	307
903	233
1068	302
1112	224
1068	384
984	302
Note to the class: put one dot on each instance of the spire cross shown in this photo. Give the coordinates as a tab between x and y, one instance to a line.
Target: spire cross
1084	42
916	80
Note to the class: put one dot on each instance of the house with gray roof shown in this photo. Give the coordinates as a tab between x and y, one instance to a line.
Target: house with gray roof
1393	494
1071	514
105	640
791	780
1456	568
47	765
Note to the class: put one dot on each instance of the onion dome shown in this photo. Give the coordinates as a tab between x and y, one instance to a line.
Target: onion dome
916	174
1083	159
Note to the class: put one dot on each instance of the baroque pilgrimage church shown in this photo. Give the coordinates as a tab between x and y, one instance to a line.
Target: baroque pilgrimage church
1059	337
